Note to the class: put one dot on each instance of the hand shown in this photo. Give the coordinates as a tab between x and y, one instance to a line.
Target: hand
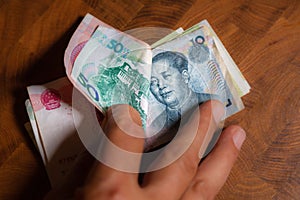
184	178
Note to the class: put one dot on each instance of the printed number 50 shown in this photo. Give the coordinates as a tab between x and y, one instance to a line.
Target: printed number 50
90	89
115	45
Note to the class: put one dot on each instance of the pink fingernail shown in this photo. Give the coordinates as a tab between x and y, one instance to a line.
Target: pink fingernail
218	111
239	138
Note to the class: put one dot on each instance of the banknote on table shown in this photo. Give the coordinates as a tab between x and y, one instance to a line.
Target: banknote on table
50	113
239	81
205	76
110	67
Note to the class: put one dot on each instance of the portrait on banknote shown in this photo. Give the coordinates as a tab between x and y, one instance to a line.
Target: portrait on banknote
186	72
170	87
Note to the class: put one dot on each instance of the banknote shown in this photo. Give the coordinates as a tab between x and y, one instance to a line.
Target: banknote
90	23
125	52
111	67
186	71
239	82
80	37
120	74
50	114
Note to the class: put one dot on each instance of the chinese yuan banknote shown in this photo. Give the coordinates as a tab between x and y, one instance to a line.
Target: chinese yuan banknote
186	71
120	74
110	67
50	113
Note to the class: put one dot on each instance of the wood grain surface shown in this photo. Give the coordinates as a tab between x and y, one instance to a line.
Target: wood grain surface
262	36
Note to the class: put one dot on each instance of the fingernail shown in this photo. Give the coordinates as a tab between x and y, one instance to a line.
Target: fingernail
239	138
218	110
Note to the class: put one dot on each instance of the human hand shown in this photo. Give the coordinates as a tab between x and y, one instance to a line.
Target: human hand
184	178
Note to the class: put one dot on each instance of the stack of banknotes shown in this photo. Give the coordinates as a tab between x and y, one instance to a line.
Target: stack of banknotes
161	81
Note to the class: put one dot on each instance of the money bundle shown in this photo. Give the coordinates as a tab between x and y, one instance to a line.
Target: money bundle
161	81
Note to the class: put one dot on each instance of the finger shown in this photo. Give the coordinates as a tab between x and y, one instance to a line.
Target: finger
124	128
121	153
214	170
181	172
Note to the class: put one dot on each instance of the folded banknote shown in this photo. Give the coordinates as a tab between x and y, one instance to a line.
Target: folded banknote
50	112
184	69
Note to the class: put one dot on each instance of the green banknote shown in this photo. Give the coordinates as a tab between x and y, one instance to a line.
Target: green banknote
114	68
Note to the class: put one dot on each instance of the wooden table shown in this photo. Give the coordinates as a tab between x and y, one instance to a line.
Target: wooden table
262	36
